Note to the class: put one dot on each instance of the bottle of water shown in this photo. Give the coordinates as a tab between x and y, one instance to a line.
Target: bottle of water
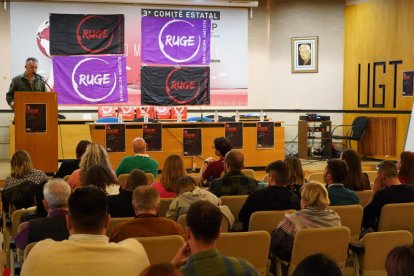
120	117
237	118
216	117
179	117
146	117
261	116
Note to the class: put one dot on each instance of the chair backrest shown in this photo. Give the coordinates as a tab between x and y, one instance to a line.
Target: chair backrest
122	179
115	221
27	249
161	249
234	203
150	178
248	172
164	206
371	175
351	217
266	220
364	197
377	245
358	127
316	177
397	216
182	220
252	246
331	241
15	219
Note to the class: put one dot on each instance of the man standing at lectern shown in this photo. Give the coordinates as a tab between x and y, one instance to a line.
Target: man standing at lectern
28	81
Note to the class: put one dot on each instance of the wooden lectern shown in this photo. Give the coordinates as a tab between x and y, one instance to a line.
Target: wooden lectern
36	128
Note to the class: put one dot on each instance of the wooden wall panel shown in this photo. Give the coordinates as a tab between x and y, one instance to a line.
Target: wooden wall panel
379	31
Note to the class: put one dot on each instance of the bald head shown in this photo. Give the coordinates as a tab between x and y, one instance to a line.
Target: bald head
234	160
139	145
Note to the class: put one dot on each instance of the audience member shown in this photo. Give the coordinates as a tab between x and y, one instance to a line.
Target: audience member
400	261
355	179
20	187
69	166
276	196
406	167
234	182
146	201
188	193
334	174
387	189
88	251
213	168
199	255
121	205
102	178
316	265
172	171
22	170
56	194
164	269
95	154
296	175
314	201
141	160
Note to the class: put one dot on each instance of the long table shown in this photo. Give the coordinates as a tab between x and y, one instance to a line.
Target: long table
172	139
71	132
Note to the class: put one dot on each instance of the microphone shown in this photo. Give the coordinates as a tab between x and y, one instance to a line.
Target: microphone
44	81
201	111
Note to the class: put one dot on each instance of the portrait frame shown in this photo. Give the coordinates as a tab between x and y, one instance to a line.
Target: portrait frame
309	48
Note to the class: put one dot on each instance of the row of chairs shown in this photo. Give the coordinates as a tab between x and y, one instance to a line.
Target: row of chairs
318	176
351	219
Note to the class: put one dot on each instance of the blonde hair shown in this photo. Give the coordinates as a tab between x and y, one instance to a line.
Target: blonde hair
172	171
95	154
21	163
315	195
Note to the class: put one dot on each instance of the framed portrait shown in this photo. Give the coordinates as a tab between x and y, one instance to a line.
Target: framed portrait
305	54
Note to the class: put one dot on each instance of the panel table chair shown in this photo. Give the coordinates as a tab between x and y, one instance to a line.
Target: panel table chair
355	133
331	241
252	246
316	177
372	250
161	249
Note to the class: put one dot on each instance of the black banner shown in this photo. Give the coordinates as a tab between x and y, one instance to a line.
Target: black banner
192	141
175	86
35	118
152	134
80	34
115	137
234	132
265	135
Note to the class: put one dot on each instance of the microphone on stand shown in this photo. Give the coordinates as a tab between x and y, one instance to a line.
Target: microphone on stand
60	116
201	112
45	82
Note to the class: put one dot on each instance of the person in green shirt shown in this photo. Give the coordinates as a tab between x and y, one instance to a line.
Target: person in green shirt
140	160
199	255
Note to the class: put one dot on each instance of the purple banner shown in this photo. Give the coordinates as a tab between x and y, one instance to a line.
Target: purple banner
175	41
90	79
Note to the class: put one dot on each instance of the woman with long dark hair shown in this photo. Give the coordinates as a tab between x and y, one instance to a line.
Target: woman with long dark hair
355	179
